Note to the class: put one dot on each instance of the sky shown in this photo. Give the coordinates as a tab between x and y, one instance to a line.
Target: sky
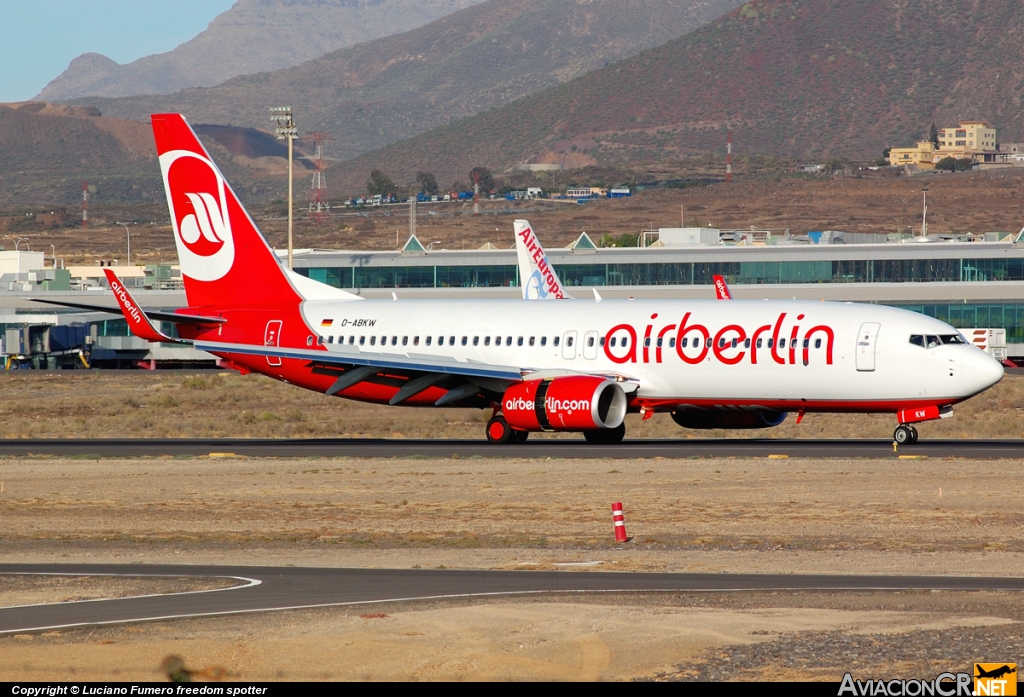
38	39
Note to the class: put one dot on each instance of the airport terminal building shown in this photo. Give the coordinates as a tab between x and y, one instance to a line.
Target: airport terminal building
969	284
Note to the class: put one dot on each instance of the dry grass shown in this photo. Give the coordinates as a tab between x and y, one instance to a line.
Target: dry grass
158	404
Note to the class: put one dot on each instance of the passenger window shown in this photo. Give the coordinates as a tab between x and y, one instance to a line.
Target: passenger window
734	342
532	340
373	341
817	343
465	340
428	340
807	342
671	343
330	340
590	341
451	341
568	341
612	342
543	341
309	341
519	341
508	341
685	342
487	341
659	342
476	341
362	341
771	343
709	342
625	341
647	342
405	341
782	343
746	343
416	341
721	343
759	343
394	341
554	342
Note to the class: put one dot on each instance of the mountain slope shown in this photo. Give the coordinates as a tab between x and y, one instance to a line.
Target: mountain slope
804	78
252	36
482	57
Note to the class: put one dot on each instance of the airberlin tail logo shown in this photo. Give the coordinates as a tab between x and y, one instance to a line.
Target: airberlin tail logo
198	198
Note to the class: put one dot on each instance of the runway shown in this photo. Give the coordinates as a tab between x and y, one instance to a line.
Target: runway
263	589
536	448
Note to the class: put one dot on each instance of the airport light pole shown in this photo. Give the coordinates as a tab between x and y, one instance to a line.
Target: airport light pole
282	115
129	234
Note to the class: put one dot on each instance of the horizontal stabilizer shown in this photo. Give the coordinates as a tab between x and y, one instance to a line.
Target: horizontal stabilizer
195	320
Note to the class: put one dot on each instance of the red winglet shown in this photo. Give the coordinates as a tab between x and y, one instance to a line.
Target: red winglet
138	323
722	288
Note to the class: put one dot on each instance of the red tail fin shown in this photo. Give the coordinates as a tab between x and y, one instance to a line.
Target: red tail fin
225	261
722	288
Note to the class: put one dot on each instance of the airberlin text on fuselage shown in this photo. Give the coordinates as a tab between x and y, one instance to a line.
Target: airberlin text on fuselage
780	342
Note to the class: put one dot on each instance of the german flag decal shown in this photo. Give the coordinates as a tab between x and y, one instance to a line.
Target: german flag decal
326	322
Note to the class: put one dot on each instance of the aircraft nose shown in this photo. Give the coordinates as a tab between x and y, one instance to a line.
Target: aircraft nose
980	371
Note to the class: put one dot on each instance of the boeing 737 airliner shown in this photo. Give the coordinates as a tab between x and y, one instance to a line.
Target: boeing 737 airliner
575	365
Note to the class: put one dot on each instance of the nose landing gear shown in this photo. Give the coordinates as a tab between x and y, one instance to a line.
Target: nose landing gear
905	434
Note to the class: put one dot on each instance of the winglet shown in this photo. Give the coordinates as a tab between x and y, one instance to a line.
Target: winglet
722	288
536	275
138	323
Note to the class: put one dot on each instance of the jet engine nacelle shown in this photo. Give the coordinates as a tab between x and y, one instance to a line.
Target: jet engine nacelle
697	418
571	403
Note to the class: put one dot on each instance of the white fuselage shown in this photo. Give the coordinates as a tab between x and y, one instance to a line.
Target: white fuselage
814	356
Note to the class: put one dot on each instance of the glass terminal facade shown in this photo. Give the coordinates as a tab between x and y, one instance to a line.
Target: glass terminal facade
649	267
679	273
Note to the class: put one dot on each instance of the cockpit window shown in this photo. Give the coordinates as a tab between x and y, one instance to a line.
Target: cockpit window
931	341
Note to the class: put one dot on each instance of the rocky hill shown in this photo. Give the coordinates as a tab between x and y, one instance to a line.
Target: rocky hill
48	150
803	78
253	36
479	58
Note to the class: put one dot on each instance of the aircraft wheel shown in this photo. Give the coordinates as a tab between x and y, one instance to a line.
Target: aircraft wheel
498	430
606	436
520	436
913	435
903	435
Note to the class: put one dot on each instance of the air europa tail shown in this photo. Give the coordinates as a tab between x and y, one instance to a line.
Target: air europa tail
225	261
536	275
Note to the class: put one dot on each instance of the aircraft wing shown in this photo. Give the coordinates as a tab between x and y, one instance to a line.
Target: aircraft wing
341	357
536	275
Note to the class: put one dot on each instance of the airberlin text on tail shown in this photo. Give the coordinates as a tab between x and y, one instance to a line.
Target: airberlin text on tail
722	288
537	276
220	249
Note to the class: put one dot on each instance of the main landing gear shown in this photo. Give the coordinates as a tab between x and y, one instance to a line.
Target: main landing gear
498	431
606	436
905	434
